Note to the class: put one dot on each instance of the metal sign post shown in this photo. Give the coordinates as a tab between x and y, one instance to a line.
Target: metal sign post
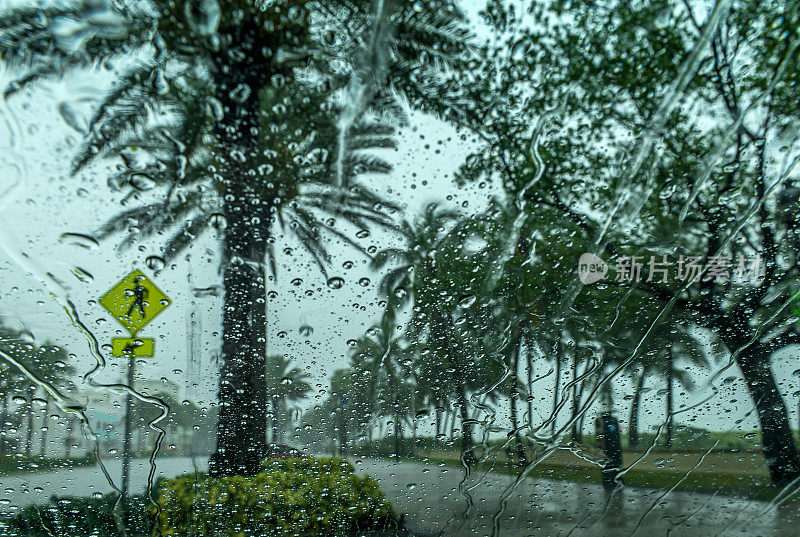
126	439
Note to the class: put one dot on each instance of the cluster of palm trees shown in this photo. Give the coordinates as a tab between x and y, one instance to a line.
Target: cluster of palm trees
49	364
456	340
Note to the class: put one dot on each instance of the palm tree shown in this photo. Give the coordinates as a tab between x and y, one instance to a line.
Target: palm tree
13	381
447	288
421	240
668	343
238	137
285	383
677	343
384	360
366	358
56	370
48	363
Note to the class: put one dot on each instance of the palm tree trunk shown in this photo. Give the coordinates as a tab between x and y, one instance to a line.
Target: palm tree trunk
575	432
274	420
461	392
633	422
512	396
513	358
466	427
342	431
517	350
414	423
43	446
4	417
557	387
29	428
396	416
670	382
242	425
438	411
529	364
243	399
400	433
69	440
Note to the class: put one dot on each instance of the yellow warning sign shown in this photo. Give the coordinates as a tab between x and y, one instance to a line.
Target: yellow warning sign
126	346
134	301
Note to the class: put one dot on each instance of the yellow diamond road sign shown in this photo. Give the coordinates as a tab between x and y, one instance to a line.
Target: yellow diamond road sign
134	301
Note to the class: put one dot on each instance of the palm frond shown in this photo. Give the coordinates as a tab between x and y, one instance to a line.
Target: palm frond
386	255
40	55
35	18
303	227
149	219
343	237
54	69
190	231
394	279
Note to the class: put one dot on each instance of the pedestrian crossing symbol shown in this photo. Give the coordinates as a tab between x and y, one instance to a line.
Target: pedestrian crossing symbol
134	301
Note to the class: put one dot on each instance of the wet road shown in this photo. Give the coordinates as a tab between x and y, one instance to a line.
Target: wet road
21	490
433	500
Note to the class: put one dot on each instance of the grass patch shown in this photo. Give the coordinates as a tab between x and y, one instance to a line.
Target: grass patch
726	484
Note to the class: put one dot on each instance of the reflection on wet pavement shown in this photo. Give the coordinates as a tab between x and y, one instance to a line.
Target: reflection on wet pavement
428	495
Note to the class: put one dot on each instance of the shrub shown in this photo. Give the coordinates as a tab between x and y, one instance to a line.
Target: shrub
80	516
291	497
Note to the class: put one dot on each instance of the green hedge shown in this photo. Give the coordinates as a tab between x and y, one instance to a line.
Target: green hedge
291	497
68	517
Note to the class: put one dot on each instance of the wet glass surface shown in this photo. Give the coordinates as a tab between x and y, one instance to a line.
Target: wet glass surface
392	267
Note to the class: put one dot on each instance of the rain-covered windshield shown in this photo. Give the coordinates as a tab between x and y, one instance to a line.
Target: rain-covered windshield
399	267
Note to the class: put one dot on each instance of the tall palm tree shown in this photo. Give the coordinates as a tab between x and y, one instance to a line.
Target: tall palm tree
285	383
450	313
421	239
212	95
669	343
674	343
384	361
366	358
